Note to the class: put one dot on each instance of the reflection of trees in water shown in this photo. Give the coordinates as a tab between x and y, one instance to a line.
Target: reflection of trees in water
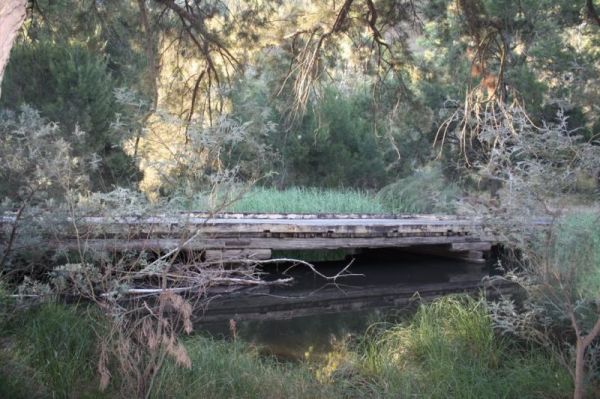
316	334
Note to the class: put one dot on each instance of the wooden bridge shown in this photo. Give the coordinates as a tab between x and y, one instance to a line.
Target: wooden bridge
254	236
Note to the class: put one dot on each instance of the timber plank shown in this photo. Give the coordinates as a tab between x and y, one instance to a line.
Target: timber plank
255	243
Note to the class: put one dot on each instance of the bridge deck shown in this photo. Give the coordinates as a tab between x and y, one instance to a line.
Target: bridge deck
254	235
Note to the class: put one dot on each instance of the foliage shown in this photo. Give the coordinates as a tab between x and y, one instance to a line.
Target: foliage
447	348
540	168
338	142
53	350
335	145
426	191
577	242
450	349
73	87
39	171
38	163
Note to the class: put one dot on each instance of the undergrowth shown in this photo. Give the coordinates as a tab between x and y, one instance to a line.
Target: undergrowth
425	191
292	200
50	351
448	349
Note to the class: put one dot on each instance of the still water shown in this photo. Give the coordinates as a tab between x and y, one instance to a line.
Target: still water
311	315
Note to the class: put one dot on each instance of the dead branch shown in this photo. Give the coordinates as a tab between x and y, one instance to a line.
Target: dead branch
296	262
591	12
216	280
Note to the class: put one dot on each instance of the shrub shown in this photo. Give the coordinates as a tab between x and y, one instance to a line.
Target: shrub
71	86
425	191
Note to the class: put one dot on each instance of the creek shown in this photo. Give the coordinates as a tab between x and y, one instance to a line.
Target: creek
309	317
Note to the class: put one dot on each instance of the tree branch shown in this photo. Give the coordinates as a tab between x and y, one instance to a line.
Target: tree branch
591	12
595	332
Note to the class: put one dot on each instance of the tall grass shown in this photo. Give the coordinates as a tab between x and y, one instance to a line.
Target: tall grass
52	353
308	200
449	349
292	200
235	370
426	191
405	196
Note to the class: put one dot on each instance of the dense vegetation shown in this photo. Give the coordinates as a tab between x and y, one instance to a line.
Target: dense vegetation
479	107
448	348
369	119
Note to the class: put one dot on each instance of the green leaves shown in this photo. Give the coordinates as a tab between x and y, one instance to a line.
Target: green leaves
72	86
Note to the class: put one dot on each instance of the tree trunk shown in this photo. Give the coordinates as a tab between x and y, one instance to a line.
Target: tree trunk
579	369
12	15
582	343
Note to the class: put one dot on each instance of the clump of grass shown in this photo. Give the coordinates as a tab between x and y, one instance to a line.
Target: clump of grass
425	191
308	200
235	370
449	349
53	350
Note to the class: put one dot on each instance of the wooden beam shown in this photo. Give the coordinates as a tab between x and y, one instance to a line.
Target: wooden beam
236	254
200	244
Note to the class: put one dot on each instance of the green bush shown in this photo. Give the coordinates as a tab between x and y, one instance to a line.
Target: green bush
71	86
339	142
335	146
578	242
426	191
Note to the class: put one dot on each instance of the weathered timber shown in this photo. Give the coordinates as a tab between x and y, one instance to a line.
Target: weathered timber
289	243
448	251
252	233
470	246
217	255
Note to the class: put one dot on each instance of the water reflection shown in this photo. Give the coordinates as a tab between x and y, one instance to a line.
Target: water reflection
313	314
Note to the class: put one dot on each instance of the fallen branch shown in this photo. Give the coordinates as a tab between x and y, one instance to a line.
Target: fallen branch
221	280
296	262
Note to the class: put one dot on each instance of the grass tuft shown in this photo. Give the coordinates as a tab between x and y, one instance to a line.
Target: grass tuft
297	200
449	349
410	195
235	370
52	350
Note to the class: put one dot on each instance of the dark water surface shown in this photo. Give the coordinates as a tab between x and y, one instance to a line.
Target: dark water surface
310	316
